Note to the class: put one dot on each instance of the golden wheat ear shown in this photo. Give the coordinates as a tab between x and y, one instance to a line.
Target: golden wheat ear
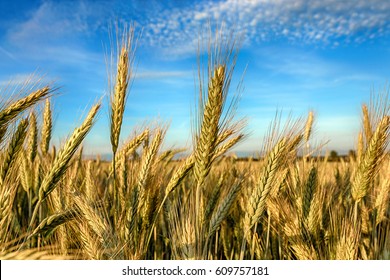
17	107
50	223
32	146
46	128
13	149
258	198
61	162
119	88
216	129
371	159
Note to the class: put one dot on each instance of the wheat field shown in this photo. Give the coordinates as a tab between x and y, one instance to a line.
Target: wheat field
147	203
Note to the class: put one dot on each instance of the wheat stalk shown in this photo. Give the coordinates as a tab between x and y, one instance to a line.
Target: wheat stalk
370	161
224	147
346	246
13	149
14	109
95	221
131	146
180	174
382	201
257	200
50	223
46	128
120	90
148	160
213	199
208	135
26	175
309	191
221	212
90	188
366	123
123	185
309	126
33	138
61	162
119	98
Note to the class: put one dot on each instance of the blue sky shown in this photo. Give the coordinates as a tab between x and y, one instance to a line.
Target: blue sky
321	55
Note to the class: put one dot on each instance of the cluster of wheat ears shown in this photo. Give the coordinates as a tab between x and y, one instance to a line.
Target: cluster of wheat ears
289	204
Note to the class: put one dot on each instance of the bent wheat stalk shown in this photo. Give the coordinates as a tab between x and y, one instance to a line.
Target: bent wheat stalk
50	223
13	149
13	110
61	162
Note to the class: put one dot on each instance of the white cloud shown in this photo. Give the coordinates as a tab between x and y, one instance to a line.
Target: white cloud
15	80
58	32
300	22
71	56
7	53
175	29
298	64
23	80
162	74
54	20
357	78
201	16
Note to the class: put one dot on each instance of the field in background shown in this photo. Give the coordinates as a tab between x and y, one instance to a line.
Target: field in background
145	204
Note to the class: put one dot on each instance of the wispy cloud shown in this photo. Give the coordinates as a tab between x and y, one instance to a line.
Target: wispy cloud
59	34
14	80
296	63
305	70
174	28
329	22
57	20
358	78
7	53
162	74
72	56
22	79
